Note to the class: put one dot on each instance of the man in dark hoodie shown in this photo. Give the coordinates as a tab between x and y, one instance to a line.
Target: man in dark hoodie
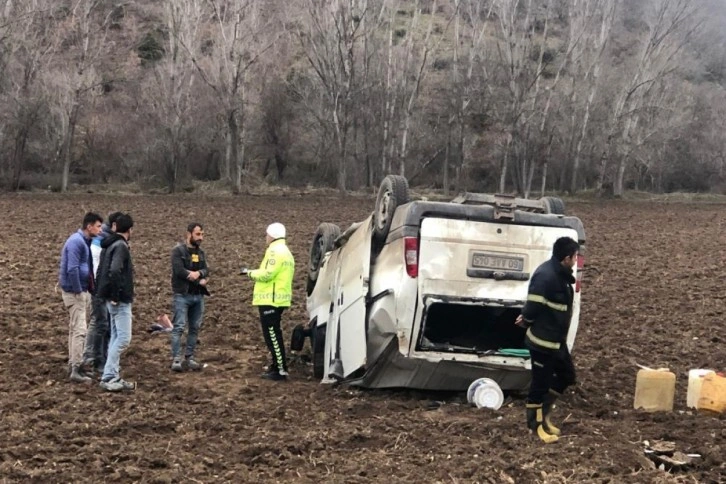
546	315
98	331
77	282
116	287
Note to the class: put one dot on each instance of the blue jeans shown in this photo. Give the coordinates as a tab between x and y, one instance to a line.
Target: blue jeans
186	307
120	324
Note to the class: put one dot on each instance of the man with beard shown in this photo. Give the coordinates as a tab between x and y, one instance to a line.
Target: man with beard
77	282
116	288
189	276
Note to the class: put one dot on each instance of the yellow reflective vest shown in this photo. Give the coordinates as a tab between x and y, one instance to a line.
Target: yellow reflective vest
273	280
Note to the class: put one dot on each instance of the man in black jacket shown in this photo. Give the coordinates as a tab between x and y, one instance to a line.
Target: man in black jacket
546	315
189	276
116	287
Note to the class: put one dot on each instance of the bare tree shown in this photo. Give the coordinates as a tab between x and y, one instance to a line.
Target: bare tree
83	33
514	48
172	93
24	52
588	71
405	73
471	24
334	39
669	26
238	35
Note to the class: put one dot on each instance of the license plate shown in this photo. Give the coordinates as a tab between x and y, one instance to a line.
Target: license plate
483	260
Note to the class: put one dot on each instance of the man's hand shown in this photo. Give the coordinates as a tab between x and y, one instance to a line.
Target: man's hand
520	321
194	275
202	282
244	271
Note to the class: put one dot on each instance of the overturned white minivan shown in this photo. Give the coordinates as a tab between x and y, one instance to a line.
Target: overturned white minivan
424	294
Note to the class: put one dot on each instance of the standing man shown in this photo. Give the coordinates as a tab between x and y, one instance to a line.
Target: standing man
189	276
272	294
546	315
116	288
77	282
94	358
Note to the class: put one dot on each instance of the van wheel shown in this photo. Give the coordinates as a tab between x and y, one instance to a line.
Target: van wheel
317	341
392	193
554	205
322	242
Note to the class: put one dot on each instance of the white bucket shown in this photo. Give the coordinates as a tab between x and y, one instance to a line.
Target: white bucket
485	393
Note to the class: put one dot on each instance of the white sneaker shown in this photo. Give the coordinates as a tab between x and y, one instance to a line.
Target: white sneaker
118	385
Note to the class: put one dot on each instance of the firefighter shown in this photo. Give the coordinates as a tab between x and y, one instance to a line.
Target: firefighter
546	315
272	295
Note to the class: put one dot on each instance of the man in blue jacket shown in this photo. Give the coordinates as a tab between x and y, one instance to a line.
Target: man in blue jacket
77	282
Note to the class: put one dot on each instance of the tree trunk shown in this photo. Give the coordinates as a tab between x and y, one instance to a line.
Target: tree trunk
503	169
240	165
68	146
447	154
618	182
21	140
231	152
172	169
543	186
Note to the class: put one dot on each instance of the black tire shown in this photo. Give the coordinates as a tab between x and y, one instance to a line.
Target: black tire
554	205
323	242
317	341
392	193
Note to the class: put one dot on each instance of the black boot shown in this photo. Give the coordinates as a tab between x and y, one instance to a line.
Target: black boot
77	376
547	405
535	419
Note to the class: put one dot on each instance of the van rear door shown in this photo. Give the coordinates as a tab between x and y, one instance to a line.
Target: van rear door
487	260
346	333
473	280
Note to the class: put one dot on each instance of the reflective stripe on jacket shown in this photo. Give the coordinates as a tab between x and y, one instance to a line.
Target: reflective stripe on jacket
548	309
273	280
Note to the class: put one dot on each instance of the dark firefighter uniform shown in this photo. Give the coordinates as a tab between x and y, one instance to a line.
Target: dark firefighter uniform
547	314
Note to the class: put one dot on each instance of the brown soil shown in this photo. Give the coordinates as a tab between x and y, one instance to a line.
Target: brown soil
654	295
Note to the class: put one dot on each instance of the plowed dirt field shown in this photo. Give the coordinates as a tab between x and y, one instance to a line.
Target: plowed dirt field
653	294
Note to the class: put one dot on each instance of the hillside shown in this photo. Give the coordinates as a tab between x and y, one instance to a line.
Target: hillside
461	94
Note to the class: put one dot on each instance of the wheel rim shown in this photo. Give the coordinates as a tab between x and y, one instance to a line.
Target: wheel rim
383	210
318	254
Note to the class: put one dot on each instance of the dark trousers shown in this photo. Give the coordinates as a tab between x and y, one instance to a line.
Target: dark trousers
98	333
270	318
550	371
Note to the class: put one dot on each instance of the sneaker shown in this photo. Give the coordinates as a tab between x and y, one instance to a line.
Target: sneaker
193	364
127	385
274	376
176	365
117	385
